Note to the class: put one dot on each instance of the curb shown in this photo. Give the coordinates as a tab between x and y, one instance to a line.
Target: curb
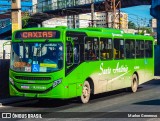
156	77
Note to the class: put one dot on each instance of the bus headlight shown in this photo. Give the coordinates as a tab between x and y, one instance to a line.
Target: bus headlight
57	82
11	80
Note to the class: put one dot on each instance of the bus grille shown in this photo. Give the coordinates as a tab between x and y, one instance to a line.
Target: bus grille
32	78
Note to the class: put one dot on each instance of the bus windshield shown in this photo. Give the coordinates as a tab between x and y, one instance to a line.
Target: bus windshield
36	57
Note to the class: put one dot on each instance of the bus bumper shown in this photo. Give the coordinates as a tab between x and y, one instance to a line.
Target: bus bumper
59	92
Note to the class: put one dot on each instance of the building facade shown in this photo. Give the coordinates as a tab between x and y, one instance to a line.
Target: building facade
77	21
101	20
153	24
61	21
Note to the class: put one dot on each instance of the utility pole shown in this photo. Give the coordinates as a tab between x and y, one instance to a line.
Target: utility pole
113	7
92	13
119	14
114	14
108	6
74	21
74	18
34	4
16	15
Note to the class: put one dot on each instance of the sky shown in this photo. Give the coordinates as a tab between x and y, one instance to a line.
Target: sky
138	14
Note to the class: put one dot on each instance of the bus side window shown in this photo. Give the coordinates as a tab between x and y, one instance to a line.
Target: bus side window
69	54
148	49
118	49
139	49
76	54
91	48
130	48
106	48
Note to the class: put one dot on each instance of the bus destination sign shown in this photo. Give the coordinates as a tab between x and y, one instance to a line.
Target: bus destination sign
37	34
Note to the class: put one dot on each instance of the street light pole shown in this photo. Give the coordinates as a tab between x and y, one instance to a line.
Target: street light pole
92	13
16	15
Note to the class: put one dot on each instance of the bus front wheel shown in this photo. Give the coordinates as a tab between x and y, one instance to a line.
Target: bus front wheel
86	92
134	85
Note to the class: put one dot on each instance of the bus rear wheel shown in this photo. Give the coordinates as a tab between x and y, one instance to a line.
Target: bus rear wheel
134	84
86	92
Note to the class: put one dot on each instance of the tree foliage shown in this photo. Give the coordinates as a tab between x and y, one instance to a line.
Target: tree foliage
25	19
131	25
146	30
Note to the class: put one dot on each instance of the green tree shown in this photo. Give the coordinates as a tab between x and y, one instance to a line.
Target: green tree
131	25
25	19
146	30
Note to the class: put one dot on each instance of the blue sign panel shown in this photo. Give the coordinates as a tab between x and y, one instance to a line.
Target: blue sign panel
35	68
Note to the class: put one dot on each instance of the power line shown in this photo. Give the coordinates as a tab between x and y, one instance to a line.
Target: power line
136	15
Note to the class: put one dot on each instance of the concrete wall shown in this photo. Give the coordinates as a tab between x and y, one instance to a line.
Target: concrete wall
156	61
7	49
4	78
4	69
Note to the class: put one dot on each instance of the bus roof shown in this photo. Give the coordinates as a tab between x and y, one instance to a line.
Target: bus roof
133	36
99	32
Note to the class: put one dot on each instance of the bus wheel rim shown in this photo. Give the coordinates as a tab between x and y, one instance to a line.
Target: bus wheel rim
86	92
134	87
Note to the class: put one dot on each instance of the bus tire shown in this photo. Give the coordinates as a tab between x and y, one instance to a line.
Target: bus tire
134	83
86	92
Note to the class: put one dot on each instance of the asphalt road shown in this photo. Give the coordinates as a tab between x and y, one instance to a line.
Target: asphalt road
116	105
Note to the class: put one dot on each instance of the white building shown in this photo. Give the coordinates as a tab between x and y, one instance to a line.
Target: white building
84	20
61	21
73	21
80	21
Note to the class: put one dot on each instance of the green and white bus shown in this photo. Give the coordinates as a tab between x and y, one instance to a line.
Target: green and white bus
62	63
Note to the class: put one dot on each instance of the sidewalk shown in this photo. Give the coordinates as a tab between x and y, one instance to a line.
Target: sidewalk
10	100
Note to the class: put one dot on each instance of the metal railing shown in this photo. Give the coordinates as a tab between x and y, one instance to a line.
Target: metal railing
59	4
5	25
5	22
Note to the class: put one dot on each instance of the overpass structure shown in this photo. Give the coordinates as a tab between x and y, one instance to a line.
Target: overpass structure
53	8
5	14
5	25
